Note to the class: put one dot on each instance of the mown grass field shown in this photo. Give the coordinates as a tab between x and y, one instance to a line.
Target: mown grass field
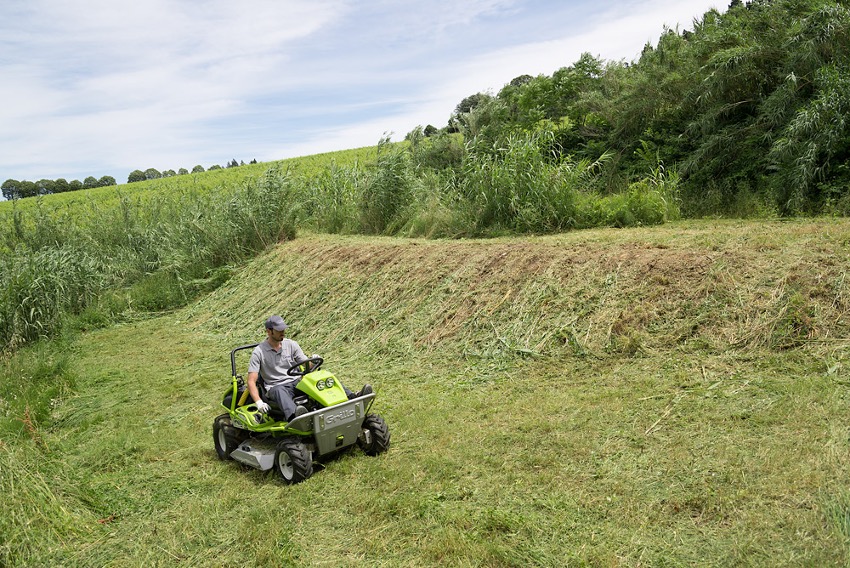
670	396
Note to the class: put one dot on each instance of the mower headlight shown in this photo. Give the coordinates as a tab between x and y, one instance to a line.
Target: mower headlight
320	385
330	383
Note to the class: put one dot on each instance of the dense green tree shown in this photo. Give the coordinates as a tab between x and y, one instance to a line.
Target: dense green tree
11	189
811	152
106	181
90	182
152	173
136	175
459	119
182	172
28	189
45	186
198	169
61	185
470	102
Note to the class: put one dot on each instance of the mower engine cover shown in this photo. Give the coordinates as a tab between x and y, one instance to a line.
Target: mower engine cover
322	387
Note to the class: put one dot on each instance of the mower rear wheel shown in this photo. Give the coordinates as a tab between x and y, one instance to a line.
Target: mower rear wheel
293	461
225	437
374	437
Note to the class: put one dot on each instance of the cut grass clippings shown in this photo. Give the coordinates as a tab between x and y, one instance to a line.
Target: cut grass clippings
644	397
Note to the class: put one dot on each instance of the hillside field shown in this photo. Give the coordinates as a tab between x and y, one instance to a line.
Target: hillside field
308	166
668	396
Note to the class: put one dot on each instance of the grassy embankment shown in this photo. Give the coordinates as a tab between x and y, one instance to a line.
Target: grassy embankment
664	396
96	255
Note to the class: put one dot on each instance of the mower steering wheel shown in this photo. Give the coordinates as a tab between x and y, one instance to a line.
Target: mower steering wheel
304	367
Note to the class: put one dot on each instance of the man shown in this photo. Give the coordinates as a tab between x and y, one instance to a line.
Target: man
273	358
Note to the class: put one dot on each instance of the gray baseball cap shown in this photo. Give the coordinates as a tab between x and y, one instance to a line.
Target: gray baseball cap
276	323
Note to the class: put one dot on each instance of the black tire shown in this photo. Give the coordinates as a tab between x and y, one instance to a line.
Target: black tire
293	461
374	437
225	437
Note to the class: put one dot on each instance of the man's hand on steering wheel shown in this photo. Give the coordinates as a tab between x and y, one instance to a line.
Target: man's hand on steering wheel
306	366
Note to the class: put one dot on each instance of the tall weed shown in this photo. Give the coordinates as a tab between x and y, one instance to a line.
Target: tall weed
437	209
331	202
37	288
650	201
522	188
387	191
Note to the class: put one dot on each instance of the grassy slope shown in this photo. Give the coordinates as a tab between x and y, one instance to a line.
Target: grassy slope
204	181
666	396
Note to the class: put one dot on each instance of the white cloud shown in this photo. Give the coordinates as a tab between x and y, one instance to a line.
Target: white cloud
107	87
616	35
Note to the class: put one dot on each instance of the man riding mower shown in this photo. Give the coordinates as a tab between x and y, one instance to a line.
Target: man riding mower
326	423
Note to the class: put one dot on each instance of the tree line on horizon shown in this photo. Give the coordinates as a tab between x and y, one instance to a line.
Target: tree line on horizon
14	189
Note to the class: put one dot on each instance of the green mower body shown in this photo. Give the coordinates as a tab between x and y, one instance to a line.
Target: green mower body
332	424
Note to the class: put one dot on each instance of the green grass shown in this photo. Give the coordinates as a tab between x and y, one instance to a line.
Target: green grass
205	181
669	396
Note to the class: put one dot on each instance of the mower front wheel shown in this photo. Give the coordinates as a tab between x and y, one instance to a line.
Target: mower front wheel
293	461
374	437
225	436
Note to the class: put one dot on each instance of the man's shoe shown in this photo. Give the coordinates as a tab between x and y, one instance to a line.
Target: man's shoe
300	411
367	389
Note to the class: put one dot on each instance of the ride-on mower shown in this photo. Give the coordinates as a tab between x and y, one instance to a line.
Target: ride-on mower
264	441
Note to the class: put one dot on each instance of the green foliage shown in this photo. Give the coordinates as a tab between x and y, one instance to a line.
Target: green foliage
163	248
332	204
440	151
763	104
752	114
387	192
13	189
818	135
38	287
152	173
33	381
528	186
645	203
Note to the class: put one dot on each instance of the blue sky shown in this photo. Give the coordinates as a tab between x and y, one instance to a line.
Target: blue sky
103	87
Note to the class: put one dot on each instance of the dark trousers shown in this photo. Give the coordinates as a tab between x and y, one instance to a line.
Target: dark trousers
281	396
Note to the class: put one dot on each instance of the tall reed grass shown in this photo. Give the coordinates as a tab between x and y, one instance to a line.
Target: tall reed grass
155	250
160	247
387	192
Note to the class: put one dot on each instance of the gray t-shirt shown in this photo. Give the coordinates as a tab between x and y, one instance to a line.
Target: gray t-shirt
272	365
